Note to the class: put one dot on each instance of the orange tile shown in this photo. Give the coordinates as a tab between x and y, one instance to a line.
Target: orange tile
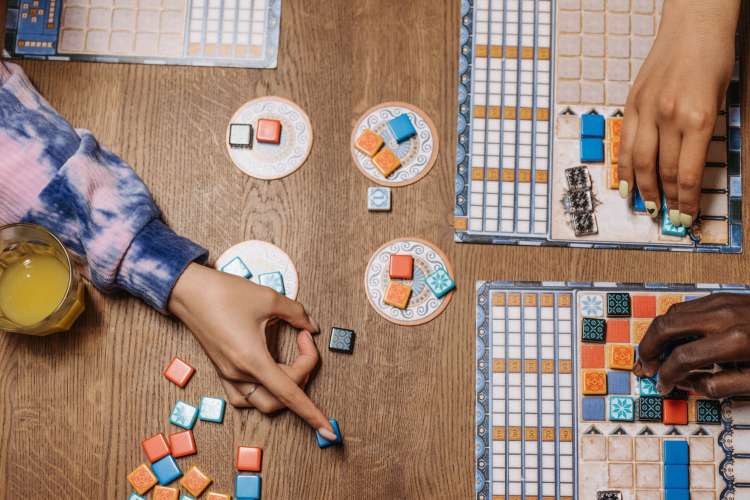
386	161
644	306
249	459
268	131
664	302
195	481
182	444
675	411
615	128
618	330
165	493
620	356
639	327
142	479
369	142
594	382
178	372
592	356
155	447
401	267
397	295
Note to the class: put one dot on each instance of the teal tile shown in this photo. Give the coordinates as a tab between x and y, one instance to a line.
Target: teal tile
621	408
238	268
273	280
212	410
440	282
183	415
135	496
647	386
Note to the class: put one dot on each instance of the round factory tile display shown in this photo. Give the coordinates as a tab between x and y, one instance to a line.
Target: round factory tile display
260	261
416	154
425	301
254	131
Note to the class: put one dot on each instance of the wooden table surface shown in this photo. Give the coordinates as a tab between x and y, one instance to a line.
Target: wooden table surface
74	407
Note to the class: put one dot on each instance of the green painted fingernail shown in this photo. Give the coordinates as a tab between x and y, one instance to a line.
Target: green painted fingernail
624	189
674	217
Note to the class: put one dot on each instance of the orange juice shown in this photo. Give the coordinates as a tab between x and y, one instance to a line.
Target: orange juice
32	288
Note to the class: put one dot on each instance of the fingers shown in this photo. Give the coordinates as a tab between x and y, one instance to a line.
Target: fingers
669	155
719	385
294	313
692	162
644	163
306	360
664	331
625	159
293	397
236	393
724	347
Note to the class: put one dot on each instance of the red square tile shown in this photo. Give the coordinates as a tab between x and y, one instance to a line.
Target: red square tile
155	447
675	411
179	372
182	444
618	331
268	131
401	267
249	459
644	306
592	356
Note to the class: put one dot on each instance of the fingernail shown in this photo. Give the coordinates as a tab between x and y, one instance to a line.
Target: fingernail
315	324
638	367
674	217
624	189
651	209
327	434
308	335
686	219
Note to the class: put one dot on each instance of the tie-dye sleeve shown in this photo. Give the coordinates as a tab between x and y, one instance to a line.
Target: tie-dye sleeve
63	179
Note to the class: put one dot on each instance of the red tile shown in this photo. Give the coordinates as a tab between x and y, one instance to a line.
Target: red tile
644	306
179	372
249	459
182	444
268	131
675	411
618	331
155	447
402	267
592	356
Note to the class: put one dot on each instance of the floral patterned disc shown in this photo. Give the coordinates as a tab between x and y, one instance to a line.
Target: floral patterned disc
423	305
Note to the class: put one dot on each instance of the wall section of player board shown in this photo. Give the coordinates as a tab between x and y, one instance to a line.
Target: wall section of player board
543	430
529	71
242	33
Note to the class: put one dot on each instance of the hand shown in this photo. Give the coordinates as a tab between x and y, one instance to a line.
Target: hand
672	107
229	316
713	329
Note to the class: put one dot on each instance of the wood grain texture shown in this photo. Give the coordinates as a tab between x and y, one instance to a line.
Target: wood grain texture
74	407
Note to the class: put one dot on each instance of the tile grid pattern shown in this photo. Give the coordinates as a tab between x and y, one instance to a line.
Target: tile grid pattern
532	396
510	117
227	28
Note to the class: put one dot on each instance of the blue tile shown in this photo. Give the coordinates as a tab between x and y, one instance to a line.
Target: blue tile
669	229
594	409
212	410
238	268
247	487
673	494
676	477
592	125
166	470
185	496
676	452
592	150
647	386
638	204
440	282
402	128
273	280
618	382
323	442
136	496
183	415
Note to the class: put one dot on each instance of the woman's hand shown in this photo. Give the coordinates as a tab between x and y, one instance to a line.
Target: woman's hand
707	331
229	316
672	107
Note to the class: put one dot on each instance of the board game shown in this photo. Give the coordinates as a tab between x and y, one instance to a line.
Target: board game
542	89
242	33
559	415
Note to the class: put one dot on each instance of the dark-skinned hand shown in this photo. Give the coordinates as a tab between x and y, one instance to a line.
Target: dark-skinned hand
713	330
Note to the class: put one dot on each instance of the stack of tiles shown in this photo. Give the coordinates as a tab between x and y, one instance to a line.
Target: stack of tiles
579	201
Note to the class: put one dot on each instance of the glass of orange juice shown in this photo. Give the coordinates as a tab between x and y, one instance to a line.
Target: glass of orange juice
40	290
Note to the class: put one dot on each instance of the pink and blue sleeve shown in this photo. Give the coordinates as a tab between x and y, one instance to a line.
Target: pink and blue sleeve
61	178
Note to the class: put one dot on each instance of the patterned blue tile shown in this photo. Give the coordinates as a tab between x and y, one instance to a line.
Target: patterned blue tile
708	411
621	409
273	280
378	199
618	304
342	340
238	268
440	282
593	330
212	410
647	386
650	408
183	415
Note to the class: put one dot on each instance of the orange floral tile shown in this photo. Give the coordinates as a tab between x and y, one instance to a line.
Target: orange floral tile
620	356
594	382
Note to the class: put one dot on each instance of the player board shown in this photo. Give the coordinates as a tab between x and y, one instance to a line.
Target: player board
243	33
542	89
558	415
